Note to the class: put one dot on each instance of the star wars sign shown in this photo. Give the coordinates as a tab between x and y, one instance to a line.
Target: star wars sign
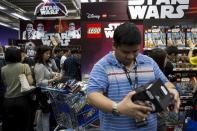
53	9
109	31
49	10
157	9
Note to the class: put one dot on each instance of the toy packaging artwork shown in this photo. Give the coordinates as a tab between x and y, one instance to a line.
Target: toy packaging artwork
155	37
156	94
191	36
176	37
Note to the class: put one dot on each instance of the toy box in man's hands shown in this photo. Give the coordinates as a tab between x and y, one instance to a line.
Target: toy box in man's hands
156	94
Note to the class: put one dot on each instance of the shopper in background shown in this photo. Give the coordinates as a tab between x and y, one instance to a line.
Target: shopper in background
192	59
26	59
63	58
55	43
109	88
172	52
16	105
58	53
160	57
53	64
44	76
72	65
171	61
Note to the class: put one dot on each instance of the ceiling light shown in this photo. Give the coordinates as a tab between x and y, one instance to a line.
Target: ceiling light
4	24
2	8
15	28
20	16
84	1
45	1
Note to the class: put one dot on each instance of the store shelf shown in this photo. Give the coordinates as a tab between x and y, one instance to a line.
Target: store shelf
186	48
186	97
148	49
185	69
179	48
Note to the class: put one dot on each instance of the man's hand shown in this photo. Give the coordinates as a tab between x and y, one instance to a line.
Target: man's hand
128	108
176	98
192	45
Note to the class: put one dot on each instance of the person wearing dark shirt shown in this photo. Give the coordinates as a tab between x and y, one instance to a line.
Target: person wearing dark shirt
25	59
59	53
172	53
160	57
72	66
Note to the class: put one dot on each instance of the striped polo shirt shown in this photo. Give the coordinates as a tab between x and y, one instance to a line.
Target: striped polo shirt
108	76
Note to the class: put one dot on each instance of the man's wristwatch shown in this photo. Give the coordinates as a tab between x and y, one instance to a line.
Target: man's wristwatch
115	111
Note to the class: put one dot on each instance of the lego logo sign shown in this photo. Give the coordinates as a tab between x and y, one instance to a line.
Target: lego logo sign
94	30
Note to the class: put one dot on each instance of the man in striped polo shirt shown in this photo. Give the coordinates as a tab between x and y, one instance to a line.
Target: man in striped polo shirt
113	79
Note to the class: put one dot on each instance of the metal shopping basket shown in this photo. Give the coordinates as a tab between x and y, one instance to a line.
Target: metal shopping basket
71	111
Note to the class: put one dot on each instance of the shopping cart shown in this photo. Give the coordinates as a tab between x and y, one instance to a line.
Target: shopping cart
71	111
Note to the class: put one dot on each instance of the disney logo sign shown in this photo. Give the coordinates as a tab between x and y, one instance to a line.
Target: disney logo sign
90	16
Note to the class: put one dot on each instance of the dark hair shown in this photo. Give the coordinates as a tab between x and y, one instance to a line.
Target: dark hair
127	34
65	50
57	50
75	51
159	56
172	49
13	55
39	54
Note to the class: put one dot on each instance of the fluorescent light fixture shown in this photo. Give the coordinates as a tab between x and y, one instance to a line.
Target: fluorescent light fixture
2	8
45	1
4	24
15	28
20	16
84	1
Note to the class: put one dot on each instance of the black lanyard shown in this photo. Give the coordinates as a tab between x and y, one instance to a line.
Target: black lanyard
129	78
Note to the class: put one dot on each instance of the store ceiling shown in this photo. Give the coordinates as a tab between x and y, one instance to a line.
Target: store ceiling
27	7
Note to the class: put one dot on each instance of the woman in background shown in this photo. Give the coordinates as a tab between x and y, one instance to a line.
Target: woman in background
44	76
16	105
